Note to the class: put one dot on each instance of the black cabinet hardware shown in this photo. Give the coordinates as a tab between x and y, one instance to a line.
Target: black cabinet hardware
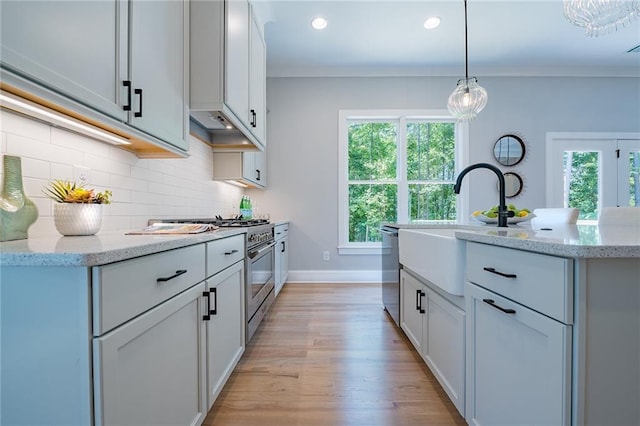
127	84
257	174
254	120
492	303
419	294
139	112
214	311
229	253
502	274
207	306
283	247
177	274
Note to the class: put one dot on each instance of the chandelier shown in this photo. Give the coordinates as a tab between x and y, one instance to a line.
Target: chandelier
599	17
469	98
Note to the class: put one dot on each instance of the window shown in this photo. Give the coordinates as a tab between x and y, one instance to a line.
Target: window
590	171
395	166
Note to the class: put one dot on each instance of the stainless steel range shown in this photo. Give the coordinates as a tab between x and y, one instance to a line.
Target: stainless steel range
259	264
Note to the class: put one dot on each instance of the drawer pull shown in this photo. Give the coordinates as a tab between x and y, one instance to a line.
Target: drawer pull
492	303
177	274
207	307
502	274
229	253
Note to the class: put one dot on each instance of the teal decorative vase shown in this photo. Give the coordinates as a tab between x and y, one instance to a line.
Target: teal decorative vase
17	212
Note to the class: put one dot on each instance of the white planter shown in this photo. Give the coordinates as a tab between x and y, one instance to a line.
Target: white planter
77	219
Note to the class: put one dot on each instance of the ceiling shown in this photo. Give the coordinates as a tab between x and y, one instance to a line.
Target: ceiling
387	38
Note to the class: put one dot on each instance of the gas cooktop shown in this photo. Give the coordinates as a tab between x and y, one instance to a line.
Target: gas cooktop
236	222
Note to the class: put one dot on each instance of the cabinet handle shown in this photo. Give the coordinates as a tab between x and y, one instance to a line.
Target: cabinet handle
139	112
207	317
127	84
229	253
214	311
283	247
502	274
257	174
177	274
419	295
253	118
492	303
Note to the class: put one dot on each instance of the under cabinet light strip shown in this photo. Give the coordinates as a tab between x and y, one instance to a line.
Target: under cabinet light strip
31	109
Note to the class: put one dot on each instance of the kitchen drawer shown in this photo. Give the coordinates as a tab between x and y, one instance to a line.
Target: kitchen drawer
223	253
540	282
123	290
281	231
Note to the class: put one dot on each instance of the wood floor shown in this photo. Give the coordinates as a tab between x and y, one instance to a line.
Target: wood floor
330	355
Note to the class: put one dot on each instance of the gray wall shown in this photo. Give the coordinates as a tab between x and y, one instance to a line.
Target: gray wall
303	142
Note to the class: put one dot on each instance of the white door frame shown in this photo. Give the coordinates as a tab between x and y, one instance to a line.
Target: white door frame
553	163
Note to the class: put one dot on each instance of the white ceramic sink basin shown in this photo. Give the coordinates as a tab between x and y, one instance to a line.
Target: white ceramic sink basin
436	255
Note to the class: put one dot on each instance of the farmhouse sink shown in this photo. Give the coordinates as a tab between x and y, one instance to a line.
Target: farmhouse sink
436	255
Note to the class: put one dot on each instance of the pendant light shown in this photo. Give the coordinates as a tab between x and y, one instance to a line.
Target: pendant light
469	98
599	17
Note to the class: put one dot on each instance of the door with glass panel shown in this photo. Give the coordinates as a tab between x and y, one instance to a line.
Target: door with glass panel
589	174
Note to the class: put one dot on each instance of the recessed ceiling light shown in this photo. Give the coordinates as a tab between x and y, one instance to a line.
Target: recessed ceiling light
319	23
431	22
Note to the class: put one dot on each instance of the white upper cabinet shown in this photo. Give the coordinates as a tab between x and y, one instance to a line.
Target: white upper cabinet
257	82
157	67
69	46
228	75
119	63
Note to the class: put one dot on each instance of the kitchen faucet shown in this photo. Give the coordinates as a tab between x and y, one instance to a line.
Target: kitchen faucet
503	212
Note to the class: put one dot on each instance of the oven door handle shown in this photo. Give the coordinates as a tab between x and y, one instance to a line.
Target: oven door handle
253	254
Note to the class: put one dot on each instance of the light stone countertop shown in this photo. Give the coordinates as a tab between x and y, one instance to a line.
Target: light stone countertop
99	249
574	241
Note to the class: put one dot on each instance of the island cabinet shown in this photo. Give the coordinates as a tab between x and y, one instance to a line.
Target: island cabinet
147	340
551	339
436	328
121	64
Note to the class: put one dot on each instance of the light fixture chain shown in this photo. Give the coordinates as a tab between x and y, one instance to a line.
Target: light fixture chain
466	43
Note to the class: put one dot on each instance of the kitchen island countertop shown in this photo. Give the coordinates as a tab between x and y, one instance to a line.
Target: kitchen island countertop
575	241
99	249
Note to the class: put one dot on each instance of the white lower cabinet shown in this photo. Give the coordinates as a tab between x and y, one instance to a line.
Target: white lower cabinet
282	255
520	374
436	328
519	343
148	371
225	327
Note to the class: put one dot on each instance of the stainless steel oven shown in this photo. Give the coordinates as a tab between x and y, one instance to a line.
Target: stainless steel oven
260	280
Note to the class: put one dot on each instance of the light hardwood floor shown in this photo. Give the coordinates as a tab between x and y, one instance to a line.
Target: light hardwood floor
328	354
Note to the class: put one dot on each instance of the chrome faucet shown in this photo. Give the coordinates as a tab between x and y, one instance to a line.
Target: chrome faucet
503	212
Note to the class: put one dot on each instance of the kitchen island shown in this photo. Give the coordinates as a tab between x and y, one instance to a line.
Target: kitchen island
552	324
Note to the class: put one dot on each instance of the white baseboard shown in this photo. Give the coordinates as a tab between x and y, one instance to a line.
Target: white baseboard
373	276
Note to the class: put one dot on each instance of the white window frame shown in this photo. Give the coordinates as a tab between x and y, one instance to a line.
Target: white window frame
401	116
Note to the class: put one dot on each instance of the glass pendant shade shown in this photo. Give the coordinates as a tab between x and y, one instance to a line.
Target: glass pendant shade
467	100
599	17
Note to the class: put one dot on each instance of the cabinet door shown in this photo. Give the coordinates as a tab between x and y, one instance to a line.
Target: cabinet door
257	83
157	70
226	327
237	58
519	363
443	339
282	263
254	167
77	48
412	300
149	371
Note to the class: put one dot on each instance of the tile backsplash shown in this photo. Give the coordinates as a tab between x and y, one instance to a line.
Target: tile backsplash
142	188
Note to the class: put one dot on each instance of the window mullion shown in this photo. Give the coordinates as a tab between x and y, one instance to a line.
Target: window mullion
403	187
